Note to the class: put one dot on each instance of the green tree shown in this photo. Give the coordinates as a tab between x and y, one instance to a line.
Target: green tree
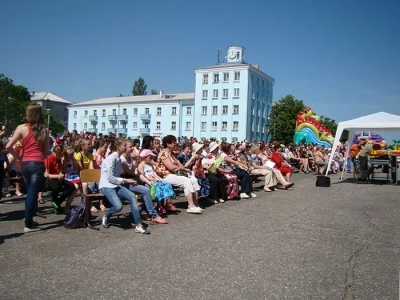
282	119
13	102
139	87
154	92
329	124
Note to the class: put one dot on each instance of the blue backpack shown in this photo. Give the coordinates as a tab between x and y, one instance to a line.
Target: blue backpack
75	218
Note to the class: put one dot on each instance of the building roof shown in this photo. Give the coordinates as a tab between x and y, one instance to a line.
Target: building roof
48	96
142	98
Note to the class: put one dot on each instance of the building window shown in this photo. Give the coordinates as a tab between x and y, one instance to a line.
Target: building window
158	125
103	113
236	92
258	81
205	78
224	125
252	78
114	112
173	125
237	76
84	126
215	94
135	111
188	125
146	110
216	78
203	126
146	125
258	95
262	83
204	110
158	111
103	126
268	86
75	113
134	125
74	126
225	93
234	139
124	111
215	110
235	125
94	112
225	109
123	125
205	94
214	125
226	77
223	139
189	110
236	109
85	113
173	111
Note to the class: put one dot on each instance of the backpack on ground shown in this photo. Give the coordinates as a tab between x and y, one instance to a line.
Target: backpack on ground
75	218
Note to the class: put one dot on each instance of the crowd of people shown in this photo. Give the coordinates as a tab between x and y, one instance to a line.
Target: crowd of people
150	170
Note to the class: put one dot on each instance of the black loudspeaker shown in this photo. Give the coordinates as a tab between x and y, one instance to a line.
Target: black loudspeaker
393	168
323	181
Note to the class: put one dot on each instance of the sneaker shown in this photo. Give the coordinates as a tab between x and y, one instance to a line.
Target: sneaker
141	229
244	196
35	224
104	222
252	195
55	207
194	210
28	230
201	208
221	200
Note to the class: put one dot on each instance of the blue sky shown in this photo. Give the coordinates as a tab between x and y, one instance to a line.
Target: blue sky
341	57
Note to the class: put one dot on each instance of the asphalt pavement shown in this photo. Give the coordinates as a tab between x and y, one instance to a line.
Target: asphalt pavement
341	242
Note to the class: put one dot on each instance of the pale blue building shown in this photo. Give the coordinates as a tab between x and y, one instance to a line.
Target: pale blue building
135	116
231	102
232	99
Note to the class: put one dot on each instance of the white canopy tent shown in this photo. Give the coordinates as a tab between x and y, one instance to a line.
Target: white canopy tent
379	121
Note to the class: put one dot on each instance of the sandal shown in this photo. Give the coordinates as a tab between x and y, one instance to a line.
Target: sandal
94	209
40	201
161	210
145	216
159	220
103	208
170	207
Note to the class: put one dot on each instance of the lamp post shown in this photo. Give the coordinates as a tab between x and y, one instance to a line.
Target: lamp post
48	118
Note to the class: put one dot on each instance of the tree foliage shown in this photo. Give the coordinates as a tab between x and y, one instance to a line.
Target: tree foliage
154	92
282	118
55	125
329	124
13	102
139	87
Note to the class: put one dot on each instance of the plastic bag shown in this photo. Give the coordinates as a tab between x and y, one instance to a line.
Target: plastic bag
153	192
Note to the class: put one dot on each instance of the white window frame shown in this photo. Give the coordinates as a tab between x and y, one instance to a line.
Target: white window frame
158	111
226	77
114	111
237	76
188	126
236	109
224	125
215	93
225	93
103	112
188	110
135	111
235	125
74	126
236	93
158	125
94	112
134	125
224	109
205	78
75	113
147	111
203	126
173	111
214	126
215	110
216	78
204	110
103	126
124	111
173	125
204	94
85	113
85	126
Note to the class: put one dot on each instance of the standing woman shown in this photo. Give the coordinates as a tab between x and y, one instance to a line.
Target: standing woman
35	142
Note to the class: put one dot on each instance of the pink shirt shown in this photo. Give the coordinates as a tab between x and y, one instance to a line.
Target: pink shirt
98	159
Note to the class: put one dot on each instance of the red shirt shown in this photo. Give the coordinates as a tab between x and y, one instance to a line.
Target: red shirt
33	150
53	164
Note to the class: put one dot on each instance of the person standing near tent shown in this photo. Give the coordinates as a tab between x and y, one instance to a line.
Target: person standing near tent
363	158
354	150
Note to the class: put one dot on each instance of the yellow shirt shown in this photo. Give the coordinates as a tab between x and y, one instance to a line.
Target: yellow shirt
85	160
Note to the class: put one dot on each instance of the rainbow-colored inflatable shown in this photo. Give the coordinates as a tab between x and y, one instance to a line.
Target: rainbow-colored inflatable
310	130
